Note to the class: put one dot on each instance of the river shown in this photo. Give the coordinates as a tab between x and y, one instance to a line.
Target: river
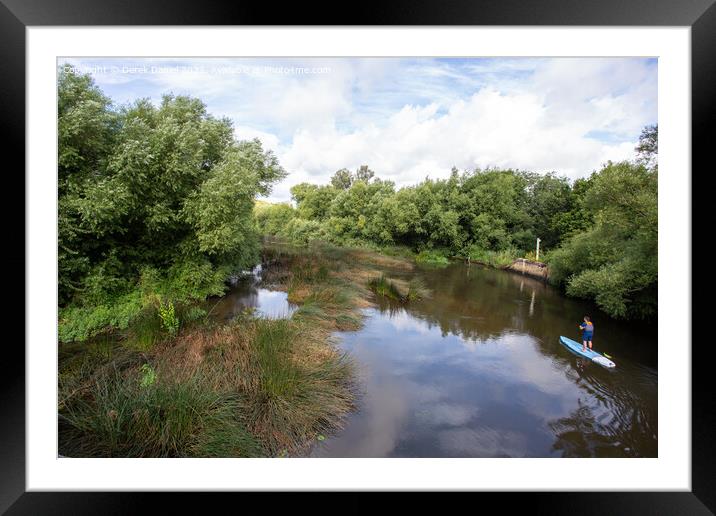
476	370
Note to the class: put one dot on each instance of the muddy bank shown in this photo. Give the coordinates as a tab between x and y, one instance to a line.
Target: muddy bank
531	268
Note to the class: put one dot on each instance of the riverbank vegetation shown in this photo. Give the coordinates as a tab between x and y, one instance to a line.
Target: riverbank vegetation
155	213
155	205
250	387
598	234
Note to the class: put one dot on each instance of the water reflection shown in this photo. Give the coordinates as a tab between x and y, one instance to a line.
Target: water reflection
246	292
477	371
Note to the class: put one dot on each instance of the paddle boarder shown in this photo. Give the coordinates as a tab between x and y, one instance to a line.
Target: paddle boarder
587	332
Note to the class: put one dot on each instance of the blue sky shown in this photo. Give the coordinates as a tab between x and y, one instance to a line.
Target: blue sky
408	118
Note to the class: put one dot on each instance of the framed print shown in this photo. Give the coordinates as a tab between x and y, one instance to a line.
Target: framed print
419	252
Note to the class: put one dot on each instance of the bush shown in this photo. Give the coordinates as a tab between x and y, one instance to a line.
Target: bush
79	323
492	258
432	257
169	318
272	219
615	263
301	231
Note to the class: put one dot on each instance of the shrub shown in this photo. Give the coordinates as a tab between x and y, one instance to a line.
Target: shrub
432	257
301	231
170	322
79	323
501	258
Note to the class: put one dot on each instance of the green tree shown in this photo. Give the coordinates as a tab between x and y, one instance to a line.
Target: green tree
550	196
616	261
364	174
163	188
272	219
342	179
313	201
648	147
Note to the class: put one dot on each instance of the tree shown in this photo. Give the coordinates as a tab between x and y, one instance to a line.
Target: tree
364	174
648	146
87	129
313	201
549	197
599	233
615	262
146	187
342	179
272	219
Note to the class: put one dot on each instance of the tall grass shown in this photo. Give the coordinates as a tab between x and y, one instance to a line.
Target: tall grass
294	387
496	259
261	387
417	290
145	331
122	418
399	290
387	288
272	344
432	257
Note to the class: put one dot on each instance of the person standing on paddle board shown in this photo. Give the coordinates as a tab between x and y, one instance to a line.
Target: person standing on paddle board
587	332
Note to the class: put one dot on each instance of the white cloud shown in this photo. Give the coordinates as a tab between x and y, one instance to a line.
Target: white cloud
488	129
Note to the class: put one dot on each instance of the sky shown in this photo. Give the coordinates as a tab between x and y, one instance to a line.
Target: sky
409	118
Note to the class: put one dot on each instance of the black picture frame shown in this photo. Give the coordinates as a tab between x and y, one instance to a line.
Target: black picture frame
16	15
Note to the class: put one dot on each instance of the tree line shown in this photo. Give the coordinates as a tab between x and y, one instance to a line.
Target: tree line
599	234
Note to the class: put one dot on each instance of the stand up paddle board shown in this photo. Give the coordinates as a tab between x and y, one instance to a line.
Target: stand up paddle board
576	348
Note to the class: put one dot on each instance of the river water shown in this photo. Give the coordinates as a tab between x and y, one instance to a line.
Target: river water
477	370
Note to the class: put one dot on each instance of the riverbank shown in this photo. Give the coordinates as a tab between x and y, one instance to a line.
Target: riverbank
252	386
537	270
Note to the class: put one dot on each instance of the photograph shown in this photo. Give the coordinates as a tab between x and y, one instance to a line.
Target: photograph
357	257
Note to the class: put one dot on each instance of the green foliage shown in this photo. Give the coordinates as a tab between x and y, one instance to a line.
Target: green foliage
193	313
149	192
170	322
194	279
302	231
313	201
149	376
648	147
145	330
616	262
84	322
501	258
342	179
272	219
128	417
432	257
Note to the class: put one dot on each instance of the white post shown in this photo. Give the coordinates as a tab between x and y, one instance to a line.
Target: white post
537	252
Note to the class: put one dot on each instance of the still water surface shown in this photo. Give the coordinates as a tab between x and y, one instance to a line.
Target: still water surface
477	370
247	292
